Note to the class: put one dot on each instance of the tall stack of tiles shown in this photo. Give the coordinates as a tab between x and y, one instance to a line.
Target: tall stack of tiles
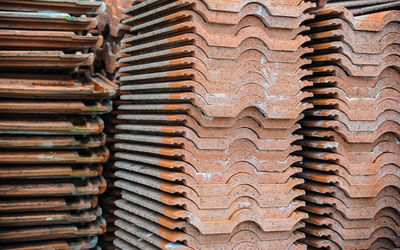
351	147
113	31
51	140
210	97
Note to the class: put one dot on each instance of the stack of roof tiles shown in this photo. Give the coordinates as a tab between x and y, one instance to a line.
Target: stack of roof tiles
113	31
351	147
210	97
51	140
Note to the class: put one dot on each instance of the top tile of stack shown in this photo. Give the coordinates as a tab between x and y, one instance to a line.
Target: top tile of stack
272	14
72	7
362	7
